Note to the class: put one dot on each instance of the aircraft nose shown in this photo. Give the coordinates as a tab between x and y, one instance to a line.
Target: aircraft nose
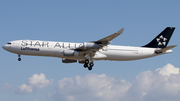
5	47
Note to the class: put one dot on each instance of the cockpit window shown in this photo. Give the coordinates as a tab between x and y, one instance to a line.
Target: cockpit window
9	43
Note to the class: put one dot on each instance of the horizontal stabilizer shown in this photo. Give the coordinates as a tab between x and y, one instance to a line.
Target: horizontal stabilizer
164	49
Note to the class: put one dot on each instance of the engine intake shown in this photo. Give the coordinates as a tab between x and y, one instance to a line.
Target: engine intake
81	61
68	61
88	45
70	53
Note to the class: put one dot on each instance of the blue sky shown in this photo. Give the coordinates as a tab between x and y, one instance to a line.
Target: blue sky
81	21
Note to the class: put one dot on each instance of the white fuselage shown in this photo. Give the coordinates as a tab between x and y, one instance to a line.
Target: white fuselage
57	49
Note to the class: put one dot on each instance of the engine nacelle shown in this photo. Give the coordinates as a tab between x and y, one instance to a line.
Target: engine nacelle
88	45
68	61
70	53
81	61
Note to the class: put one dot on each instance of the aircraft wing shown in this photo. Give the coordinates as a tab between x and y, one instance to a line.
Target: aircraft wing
111	37
90	48
96	45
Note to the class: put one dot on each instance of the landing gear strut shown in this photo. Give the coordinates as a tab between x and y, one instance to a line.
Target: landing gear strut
88	64
19	59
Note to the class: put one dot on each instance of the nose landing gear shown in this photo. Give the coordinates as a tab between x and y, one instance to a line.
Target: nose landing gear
19	59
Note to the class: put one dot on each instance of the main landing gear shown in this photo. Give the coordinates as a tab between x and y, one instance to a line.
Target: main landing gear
88	64
19	59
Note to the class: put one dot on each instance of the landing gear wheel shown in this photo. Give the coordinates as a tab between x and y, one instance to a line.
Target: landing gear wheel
90	68
19	59
87	61
91	64
85	65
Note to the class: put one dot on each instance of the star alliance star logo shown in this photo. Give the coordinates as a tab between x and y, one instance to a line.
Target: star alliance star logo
161	40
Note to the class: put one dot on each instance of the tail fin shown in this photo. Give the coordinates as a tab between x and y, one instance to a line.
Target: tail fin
162	39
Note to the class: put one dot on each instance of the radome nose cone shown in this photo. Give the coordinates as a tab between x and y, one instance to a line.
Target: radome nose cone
3	47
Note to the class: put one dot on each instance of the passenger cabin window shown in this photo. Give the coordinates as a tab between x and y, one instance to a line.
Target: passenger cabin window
9	43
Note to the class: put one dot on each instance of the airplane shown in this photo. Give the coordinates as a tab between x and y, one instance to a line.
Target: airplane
87	52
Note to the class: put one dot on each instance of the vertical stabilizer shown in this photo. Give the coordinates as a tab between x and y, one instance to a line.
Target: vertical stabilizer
162	39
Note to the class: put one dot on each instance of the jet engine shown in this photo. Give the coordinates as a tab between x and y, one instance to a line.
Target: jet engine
68	60
70	53
81	61
88	45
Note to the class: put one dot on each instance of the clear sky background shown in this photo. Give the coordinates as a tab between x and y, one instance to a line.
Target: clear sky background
48	79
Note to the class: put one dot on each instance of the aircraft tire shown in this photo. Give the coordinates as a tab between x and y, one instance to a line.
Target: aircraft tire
85	65
87	61
19	59
90	68
91	64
